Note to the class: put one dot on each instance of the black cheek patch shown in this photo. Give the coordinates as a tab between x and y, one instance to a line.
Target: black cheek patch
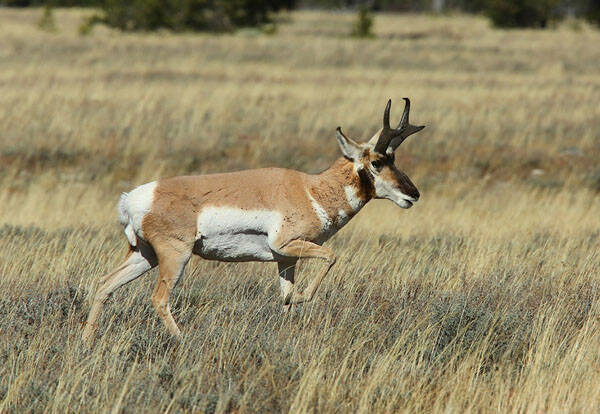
366	182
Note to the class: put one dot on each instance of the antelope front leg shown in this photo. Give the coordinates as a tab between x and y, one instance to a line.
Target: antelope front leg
286	282
302	249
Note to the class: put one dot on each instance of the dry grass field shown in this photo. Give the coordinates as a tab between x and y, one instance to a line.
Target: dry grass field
484	297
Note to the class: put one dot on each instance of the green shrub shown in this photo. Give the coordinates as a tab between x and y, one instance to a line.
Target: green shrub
592	11
364	23
50	3
178	15
521	13
15	3
47	22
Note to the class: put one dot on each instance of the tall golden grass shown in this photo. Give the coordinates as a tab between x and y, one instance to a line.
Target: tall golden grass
483	297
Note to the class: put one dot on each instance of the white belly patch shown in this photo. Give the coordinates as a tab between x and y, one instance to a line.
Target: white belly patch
232	234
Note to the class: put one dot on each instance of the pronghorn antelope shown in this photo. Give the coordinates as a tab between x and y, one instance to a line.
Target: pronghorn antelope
267	215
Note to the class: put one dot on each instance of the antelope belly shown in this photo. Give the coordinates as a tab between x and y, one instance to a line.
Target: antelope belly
232	234
240	247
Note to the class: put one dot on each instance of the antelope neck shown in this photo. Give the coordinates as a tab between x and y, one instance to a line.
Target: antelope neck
341	188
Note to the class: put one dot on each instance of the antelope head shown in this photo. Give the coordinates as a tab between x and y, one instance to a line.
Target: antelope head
374	160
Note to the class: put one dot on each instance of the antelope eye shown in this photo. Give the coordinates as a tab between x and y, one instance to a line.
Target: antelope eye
377	164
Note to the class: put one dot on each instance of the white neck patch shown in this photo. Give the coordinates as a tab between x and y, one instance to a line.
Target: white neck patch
353	199
326	222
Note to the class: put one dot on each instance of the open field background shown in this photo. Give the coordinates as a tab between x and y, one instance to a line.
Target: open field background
483	297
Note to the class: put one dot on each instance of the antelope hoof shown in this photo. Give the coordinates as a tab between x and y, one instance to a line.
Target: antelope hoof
297	299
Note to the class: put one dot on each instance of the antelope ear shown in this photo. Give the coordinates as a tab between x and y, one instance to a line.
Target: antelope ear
349	148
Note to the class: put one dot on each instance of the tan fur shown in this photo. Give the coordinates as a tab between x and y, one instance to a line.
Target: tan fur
179	200
328	188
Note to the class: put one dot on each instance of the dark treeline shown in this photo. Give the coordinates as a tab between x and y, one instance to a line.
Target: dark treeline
503	13
224	15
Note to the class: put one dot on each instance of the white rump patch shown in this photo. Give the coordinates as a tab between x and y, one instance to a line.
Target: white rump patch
132	209
234	234
122	209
